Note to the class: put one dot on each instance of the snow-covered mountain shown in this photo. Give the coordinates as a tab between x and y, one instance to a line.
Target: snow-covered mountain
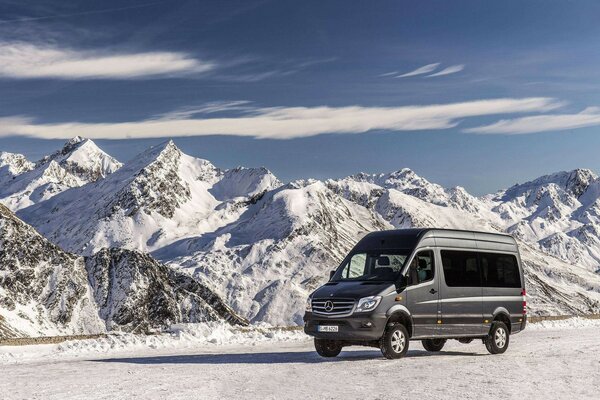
43	290
279	249
79	162
12	164
263	246
161	196
47	291
135	293
558	213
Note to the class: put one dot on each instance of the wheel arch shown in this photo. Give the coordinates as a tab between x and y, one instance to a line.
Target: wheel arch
501	314
400	314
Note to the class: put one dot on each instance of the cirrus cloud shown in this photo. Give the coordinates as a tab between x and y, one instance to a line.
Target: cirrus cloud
448	70
26	60
541	123
283	122
425	69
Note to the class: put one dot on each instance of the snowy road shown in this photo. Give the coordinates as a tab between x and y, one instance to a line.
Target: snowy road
541	363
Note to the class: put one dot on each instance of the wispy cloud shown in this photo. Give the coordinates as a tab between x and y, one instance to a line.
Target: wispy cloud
541	123
25	60
448	70
285	122
81	13
389	74
425	69
207	108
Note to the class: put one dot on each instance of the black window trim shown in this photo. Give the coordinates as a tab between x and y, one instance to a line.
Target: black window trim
479	252
415	254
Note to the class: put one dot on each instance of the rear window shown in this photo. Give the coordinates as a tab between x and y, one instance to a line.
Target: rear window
500	270
461	268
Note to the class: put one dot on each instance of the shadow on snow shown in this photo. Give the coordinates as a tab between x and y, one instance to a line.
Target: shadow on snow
290	357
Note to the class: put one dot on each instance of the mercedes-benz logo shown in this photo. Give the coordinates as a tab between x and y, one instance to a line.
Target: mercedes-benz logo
329	306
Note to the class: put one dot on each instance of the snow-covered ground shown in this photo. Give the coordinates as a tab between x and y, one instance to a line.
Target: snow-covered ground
549	360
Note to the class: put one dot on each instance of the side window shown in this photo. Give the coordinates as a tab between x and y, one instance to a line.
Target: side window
500	270
461	268
422	268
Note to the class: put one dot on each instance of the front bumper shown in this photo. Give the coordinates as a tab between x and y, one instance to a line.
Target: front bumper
359	327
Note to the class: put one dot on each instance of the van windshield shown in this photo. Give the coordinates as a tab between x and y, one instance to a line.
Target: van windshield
384	266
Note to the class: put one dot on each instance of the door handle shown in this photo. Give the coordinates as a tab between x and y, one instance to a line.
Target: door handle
433	291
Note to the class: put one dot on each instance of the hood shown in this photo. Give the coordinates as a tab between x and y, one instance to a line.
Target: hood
352	290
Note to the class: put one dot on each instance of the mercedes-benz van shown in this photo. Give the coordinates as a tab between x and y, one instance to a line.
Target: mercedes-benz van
421	284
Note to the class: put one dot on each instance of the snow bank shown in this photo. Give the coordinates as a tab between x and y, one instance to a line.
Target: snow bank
183	336
571	323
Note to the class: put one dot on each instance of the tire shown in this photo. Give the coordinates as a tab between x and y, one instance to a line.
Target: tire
394	342
327	348
496	342
433	344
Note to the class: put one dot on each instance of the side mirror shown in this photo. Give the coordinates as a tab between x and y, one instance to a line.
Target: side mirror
331	274
401	283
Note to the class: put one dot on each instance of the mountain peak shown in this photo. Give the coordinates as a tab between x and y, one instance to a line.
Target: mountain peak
15	163
575	182
75	140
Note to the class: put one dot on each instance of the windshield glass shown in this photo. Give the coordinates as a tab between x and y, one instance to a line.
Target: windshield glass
383	265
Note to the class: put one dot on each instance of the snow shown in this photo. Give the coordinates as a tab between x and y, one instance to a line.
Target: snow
263	246
80	161
544	363
179	337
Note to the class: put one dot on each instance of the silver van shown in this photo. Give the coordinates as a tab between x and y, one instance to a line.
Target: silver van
421	284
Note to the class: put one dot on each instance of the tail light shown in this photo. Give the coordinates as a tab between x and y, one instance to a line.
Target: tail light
524	294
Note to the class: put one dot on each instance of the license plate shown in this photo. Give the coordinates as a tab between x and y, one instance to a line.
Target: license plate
328	328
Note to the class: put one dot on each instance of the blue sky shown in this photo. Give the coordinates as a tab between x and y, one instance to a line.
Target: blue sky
474	93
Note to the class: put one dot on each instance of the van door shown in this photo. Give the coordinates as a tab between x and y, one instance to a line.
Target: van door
422	293
461	294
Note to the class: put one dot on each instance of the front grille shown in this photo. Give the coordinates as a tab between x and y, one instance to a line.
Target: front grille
337	307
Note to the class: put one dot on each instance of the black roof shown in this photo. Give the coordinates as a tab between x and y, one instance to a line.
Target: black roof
392	239
401	238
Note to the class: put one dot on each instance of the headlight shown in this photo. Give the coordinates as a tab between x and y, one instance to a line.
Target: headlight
368	303
308	305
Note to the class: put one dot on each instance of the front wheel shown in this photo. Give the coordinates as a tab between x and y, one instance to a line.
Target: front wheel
496	342
327	348
433	344
394	343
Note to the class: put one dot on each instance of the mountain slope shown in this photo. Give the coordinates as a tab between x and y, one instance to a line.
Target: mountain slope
47	291
558	213
280	249
262	246
12	164
79	162
43	290
136	293
159	197
83	159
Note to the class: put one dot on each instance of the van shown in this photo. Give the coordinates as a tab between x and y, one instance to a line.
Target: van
421	284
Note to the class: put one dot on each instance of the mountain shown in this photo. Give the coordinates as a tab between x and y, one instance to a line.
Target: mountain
12	164
262	246
279	249
136	293
159	197
83	159
43	290
79	162
558	213
47	291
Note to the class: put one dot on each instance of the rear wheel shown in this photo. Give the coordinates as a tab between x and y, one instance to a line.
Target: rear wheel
327	348
394	343
496	342
433	344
